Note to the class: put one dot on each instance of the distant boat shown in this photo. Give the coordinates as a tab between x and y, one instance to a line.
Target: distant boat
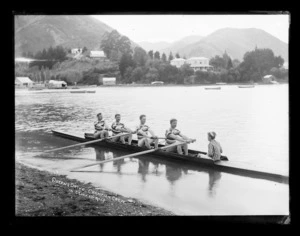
274	82
80	91
75	88
221	83
83	91
213	88
36	88
246	86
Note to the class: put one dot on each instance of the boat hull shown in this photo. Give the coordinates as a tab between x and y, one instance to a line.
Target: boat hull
191	159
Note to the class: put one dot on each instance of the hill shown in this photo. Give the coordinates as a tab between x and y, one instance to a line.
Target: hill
236	42
168	46
34	33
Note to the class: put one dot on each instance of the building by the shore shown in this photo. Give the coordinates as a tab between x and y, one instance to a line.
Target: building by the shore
199	63
23	82
109	81
56	84
196	63
178	62
268	79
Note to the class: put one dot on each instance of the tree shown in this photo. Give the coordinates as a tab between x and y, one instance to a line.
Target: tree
218	62
152	75
229	64
137	74
177	55
125	62
186	70
235	63
157	55
164	57
84	49
140	56
114	43
170	57
124	45
150	54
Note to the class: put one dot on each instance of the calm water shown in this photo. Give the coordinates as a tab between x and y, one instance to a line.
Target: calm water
251	124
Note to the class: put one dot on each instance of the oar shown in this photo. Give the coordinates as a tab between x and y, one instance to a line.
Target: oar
129	155
80	144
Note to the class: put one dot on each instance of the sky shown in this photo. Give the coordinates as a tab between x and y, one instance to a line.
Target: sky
170	28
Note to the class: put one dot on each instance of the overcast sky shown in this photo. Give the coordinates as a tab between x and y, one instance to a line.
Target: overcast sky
153	28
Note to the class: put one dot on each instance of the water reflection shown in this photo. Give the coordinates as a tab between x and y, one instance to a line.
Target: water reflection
143	168
214	178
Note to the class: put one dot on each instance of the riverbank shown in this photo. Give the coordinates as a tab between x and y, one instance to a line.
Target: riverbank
41	193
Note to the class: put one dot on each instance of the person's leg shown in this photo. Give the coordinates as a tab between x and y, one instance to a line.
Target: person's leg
97	134
122	139
141	142
129	139
106	134
147	142
186	149
116	139
179	149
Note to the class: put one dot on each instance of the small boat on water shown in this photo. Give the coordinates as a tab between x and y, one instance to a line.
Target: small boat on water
79	91
246	86
224	165
36	88
217	88
221	83
83	91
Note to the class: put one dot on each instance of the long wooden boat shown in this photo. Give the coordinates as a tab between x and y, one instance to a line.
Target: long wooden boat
246	86
224	165
78	91
218	88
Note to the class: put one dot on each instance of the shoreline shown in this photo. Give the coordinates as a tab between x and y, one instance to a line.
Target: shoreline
70	87
41	193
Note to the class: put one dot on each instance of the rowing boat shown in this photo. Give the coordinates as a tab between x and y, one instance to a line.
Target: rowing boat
213	88
224	165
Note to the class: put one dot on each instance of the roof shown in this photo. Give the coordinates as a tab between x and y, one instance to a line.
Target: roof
268	76
178	59
106	79
24	80
198	58
56	82
201	65
97	54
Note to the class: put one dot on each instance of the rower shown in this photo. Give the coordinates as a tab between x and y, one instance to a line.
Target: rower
173	135
101	128
142	134
118	128
214	147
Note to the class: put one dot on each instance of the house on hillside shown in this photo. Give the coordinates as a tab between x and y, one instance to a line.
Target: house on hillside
109	81
23	82
178	62
97	55
199	63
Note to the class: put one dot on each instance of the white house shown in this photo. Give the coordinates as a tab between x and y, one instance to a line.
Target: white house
57	84
23	82
199	63
109	81
76	50
178	62
97	54
268	79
